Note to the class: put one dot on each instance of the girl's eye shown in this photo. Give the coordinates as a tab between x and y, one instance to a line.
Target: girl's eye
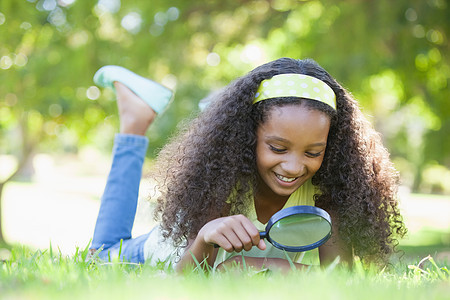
277	150
313	154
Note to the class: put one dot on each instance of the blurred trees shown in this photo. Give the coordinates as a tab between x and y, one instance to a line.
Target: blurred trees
393	56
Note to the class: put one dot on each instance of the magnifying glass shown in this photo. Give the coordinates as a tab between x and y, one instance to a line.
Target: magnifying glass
298	228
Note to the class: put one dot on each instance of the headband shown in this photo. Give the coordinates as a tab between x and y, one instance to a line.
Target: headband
296	85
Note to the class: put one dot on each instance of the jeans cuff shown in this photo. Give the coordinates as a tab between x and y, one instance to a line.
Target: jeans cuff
131	140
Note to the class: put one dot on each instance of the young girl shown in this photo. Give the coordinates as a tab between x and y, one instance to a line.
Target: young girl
285	134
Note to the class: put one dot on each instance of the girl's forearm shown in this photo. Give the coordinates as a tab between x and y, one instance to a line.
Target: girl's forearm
262	262
197	251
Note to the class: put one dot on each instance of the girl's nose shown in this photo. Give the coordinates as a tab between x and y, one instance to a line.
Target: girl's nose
293	167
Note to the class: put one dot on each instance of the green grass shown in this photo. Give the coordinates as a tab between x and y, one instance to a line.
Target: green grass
30	274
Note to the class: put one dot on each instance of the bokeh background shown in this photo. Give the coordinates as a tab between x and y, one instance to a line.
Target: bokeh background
56	127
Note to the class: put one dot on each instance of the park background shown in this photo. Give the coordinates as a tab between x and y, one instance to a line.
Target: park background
57	127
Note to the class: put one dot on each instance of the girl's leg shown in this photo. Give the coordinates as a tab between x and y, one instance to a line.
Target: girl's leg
119	200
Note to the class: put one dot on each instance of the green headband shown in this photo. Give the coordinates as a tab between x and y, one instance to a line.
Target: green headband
296	85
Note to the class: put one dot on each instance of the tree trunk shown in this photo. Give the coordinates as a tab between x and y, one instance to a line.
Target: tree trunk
418	177
21	164
28	144
2	239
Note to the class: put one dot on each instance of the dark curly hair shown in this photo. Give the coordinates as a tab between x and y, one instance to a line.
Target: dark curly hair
209	169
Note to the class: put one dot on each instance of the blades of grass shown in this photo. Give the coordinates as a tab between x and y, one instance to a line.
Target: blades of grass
382	273
244	264
59	254
75	256
206	266
96	254
417	271
36	254
85	252
264	271
291	263
120	249
358	267
438	270
34	260
91	260
124	263
423	260
333	265
198	267
51	251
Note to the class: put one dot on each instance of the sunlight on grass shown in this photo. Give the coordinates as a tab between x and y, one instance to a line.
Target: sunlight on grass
47	274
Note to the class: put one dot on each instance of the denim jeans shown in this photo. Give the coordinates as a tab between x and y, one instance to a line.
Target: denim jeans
119	202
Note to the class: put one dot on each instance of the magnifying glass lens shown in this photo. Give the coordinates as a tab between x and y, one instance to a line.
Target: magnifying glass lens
300	230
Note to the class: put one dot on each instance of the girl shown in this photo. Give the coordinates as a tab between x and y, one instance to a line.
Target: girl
285	134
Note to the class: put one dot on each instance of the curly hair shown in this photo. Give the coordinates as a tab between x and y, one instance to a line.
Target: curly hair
209	169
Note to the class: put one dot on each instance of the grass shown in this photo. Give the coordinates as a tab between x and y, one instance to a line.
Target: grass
30	274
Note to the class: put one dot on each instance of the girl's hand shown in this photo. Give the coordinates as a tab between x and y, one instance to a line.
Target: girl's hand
233	233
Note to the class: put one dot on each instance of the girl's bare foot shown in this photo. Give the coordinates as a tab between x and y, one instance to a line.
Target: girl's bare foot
135	115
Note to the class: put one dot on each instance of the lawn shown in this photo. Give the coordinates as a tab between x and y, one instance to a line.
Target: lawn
30	274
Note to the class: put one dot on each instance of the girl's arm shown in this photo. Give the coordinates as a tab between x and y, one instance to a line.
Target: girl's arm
201	251
233	233
335	247
261	262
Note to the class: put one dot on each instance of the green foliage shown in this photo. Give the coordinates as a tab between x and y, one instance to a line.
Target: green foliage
30	274
391	55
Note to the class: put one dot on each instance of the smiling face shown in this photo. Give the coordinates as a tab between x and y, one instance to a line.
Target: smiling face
290	148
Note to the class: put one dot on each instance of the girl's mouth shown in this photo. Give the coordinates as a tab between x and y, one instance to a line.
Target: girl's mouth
285	179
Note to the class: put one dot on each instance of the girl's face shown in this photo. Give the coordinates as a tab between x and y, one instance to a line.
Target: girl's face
290	148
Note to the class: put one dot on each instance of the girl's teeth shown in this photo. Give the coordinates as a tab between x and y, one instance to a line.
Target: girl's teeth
286	179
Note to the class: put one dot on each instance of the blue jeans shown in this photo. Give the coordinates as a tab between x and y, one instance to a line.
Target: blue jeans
119	202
